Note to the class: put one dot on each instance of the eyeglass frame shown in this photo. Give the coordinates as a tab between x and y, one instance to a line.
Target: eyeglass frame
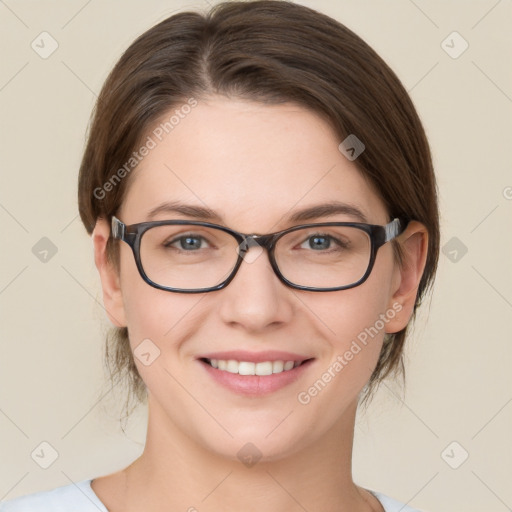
379	235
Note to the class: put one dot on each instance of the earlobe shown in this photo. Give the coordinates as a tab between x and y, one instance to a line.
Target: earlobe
414	245
110	281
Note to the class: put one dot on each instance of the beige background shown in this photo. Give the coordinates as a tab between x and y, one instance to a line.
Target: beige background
52	325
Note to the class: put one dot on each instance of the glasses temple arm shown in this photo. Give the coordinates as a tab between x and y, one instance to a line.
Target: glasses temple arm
394	228
118	228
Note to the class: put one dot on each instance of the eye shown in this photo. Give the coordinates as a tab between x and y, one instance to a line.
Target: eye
322	242
187	243
317	242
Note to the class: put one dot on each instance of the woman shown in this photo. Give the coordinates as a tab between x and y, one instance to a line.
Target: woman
261	199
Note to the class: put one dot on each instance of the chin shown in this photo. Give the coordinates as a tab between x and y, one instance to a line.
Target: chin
259	441
251	452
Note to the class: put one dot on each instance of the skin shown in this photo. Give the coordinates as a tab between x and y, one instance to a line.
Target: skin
254	165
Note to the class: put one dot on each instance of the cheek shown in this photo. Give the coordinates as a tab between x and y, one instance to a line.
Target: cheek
159	325
353	322
153	314
349	315
356	333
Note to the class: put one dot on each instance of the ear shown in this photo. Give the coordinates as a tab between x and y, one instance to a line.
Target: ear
110	282
414	245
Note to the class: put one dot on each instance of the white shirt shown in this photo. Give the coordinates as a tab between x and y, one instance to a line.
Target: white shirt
80	497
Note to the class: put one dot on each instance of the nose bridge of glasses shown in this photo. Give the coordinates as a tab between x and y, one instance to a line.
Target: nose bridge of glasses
262	241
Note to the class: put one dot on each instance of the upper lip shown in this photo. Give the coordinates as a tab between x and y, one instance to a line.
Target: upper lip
255	357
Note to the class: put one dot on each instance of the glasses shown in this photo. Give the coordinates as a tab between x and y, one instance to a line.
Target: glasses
196	257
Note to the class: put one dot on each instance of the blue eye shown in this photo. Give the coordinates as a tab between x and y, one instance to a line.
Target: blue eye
324	243
319	242
187	243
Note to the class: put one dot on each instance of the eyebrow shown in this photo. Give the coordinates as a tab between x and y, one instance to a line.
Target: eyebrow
306	214
328	209
188	210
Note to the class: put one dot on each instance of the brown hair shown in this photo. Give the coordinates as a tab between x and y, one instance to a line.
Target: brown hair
273	52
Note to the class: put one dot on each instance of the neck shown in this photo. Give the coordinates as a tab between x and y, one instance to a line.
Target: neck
176	473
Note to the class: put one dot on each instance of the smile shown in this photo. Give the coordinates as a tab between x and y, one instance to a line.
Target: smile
252	373
250	368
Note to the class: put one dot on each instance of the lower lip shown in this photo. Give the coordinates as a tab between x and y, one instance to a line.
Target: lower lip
255	384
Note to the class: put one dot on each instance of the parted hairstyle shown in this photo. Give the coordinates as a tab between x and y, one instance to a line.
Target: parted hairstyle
270	52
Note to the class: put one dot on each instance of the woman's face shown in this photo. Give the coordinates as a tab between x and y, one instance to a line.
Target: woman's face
254	166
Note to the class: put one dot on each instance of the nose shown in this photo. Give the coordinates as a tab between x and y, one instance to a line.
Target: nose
256	300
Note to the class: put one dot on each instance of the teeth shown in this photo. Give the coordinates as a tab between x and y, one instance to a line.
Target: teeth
248	368
288	365
232	366
277	366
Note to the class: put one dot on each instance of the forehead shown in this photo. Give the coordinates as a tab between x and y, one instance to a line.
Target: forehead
252	163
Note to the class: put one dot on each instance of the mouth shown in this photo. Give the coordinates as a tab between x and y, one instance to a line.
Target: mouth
262	368
255	374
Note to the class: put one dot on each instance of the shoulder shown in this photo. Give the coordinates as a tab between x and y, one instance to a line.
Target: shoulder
78	497
389	504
